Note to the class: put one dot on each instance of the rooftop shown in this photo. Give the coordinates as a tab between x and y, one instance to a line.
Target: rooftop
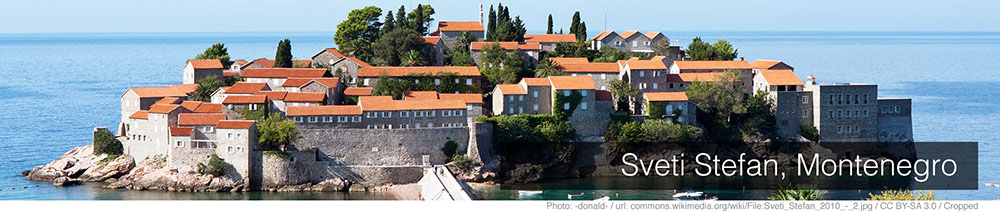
238	99
273	95
589	67
467	98
191	119
568	60
536	81
511	89
178	90
692	77
386	103
404	71
235	124
305	97
324	110
206	64
181	131
209	108
420	95
162	108
506	45
781	77
246	88
550	38
665	96
460	26
267	63
284	73
712	65
358	91
763	64
572	82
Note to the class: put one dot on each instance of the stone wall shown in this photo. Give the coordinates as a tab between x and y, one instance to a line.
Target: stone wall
894	124
381	146
279	171
181	157
481	142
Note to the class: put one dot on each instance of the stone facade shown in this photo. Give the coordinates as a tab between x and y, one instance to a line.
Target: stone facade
395	147
894	120
793	109
845	112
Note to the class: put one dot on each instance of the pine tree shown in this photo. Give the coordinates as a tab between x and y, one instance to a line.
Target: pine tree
401	17
389	23
491	25
574	25
549	28
283	57
418	20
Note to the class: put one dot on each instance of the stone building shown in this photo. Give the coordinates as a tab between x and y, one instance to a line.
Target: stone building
646	75
548	42
141	98
602	73
675	106
759	65
334	60
449	30
435	45
895	122
628	41
463	75
203	124
331	87
382	112
709	66
528	50
275	77
196	70
845	112
239	89
269	63
792	105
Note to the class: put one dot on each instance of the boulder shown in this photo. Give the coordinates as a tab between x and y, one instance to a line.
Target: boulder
65	181
110	169
25	172
331	185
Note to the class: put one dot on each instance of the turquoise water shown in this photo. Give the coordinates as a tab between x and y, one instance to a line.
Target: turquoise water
56	87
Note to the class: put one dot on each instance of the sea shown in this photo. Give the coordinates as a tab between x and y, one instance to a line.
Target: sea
56	87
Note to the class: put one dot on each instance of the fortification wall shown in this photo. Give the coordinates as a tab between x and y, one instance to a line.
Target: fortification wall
181	157
279	171
383	147
895	123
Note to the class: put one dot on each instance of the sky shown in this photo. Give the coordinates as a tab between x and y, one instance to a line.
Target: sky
62	16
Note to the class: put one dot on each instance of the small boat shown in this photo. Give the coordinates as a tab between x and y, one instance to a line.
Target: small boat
529	192
573	195
603	198
693	195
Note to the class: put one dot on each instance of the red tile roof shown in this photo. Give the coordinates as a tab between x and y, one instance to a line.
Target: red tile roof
536	81
206	64
763	64
460	26
334	51
284	73
589	68
191	105
168	101
652	64
178	90
403	71
713	65
209	108
781	77
692	77
358	61
431	40
602	35
230	73
235	124
339	110
629	33
420	95
299	82
511	89
190	119
139	115
506	45
273	95
252	99
310	97
246	88
386	103
652	35
665	96
181	131
602	95
571	82
550	38
468	98
358	91
568	60
162	109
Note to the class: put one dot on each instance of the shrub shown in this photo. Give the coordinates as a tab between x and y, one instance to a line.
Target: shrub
902	195
278	153
556	130
449	149
797	194
527	127
462	161
106	143
809	132
109	158
216	166
275	130
653	130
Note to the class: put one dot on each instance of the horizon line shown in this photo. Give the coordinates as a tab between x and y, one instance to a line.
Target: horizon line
317	31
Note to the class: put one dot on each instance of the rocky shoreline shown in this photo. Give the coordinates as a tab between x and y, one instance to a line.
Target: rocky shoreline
123	172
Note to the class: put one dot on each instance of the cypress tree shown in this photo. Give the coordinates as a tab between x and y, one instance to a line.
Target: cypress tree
418	20
491	25
574	25
549	28
582	34
389	23
401	17
283	57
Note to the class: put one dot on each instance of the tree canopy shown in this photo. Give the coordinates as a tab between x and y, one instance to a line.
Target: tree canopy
275	130
548	29
356	34
504	29
217	51
206	86
283	56
702	51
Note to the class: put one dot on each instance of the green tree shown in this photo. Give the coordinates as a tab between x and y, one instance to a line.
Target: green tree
389	24
356	34
622	92
462	42
548	28
275	131
574	24
420	18
702	51
902	195
491	26
206	86
217	51
389	49
661	48
283	56
722	50
106	143
413	58
796	194
582	34
449	149
760	121
401	18
546	69
216	166
717	101
514	63
809	132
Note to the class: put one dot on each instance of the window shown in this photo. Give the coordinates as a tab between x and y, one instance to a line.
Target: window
418	113
583	93
371	114
418	125
856	113
371	127
468	81
341	119
840	100
404	114
313	119
635	43
848	129
655	86
520	110
456	81
670	109
857	129
566	92
404	126
239	135
534	94
856	99
865	112
565	106
848	115
327	119
583	106
445	113
520	98
840	129
604	76
536	107
805	114
831	99
180	144
865	98
356	119
209	129
805	99
458	113
229	149
430	113
642	74
386	114
511	110
510	98
670	85
839	114
431	124
437	81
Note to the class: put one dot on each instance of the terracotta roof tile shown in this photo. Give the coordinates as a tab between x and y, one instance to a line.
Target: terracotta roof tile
589	68
181	131
191	105
178	90
511	89
238	99
781	77
284	73
431	40
712	65
273	95
246	88
235	124
420	95
403	71
652	35
568	60
629	33
335	52
299	82
763	64
385	103
168	101
665	96
692	77
338	110
468	98
162	109
636	64
230	73
209	108
572	82
550	38
358	61
191	119
602	35
139	115
358	91
305	97
506	45
206	64
602	95
460	26
536	82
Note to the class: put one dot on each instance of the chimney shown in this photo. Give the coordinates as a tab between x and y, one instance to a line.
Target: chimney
741	58
811	80
481	13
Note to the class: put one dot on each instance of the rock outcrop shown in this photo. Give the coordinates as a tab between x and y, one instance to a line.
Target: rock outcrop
71	164
114	168
65	181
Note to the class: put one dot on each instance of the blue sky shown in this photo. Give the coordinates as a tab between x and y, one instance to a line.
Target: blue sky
323	15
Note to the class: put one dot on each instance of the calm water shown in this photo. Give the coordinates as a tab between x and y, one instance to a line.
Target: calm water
57	87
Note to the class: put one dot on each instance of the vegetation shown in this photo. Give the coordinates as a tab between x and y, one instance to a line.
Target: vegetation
717	102
702	51
902	195
275	131
796	194
206	86
548	29
502	28
577	49
420	18
217	51
609	54
651	131
578	27
561	100
661	48
499	67
463	162
386	86
278	154
356	35
459	54
109	158
622	91
758	118
449	149
106	143
283	56
394	45
216	166
809	132
258	114
546	69
657	110
530	127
